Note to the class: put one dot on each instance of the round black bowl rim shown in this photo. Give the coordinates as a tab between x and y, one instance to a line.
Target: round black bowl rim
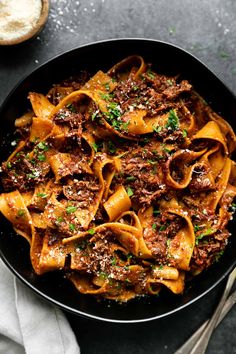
50	299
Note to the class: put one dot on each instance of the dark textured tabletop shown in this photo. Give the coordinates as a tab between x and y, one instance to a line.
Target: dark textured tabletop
206	28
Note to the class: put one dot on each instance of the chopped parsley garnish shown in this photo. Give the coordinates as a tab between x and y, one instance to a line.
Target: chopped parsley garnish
156	212
105	96
130	178
107	86
113	116
157	129
169	82
130	192
103	275
71	107
21	212
124	125
94	115
173	120
91	231
162	228
219	255
42	146
185	133
113	261
82	245
154	226
59	220
152	162
32	175
206	233
166	150
72	227
9	165
95	147
151	73
42	195
168	242
197	228
42	157
146	140
111	147
71	209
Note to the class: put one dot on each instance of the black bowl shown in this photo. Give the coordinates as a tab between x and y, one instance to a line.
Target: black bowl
14	250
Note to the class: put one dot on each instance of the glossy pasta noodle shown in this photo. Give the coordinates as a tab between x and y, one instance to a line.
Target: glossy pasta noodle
122	180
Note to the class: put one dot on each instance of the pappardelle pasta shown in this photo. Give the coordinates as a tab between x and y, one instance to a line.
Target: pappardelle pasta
123	181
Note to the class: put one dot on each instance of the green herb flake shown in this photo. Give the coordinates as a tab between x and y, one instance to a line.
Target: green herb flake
219	255
71	107
91	231
21	212
169	82
162	228
42	146
130	178
31	175
173	120
9	165
154	226
105	96
124	125
197	228
42	157
152	162
59	220
42	195
113	261
72	227
111	147
157	129
168	242
130	192
94	115
146	140
185	133
107	86
103	275
71	209
151	73
156	212
206	233
95	147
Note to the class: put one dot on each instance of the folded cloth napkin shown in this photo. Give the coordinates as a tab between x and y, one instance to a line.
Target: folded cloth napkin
30	325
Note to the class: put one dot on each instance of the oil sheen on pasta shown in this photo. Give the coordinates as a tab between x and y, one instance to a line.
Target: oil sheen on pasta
123	181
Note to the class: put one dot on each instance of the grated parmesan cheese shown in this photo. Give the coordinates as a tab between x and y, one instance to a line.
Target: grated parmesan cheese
17	18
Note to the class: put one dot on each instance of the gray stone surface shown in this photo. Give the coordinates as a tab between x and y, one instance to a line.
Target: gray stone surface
207	29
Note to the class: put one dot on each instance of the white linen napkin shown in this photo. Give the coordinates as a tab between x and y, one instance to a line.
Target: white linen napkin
28	324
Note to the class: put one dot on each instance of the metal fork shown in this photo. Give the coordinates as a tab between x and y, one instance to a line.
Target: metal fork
198	342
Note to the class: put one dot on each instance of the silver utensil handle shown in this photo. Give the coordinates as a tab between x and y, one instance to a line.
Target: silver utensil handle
202	343
188	345
198	343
